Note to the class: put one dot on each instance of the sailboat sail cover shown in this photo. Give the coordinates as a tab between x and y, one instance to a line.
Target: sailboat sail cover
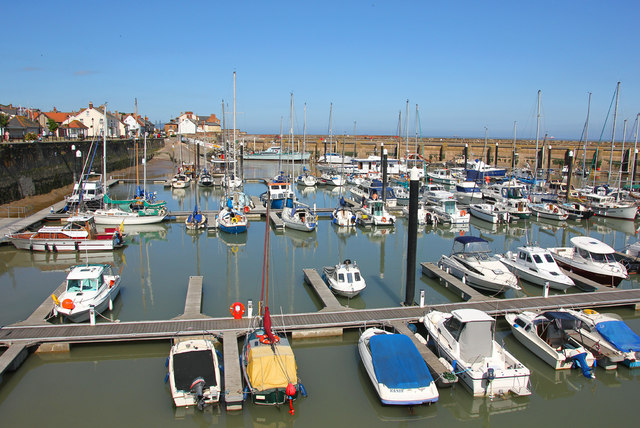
268	369
397	362
620	335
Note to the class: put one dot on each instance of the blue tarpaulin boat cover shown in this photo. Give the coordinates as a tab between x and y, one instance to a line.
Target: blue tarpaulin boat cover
397	362
620	335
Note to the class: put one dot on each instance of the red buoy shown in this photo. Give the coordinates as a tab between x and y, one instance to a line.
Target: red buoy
68	304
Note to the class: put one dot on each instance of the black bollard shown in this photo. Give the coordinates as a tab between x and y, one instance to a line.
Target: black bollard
412	241
496	159
570	171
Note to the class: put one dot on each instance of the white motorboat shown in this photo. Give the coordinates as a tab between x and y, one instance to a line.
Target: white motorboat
468	192
344	279
194	373
89	287
78	234
549	211
447	212
89	193
607	206
471	261
278	194
434	192
374	213
299	217
489	212
334	159
509	196
609	330
576	211
274	153
331	178
465	339
548	336
537	266
397	371
205	179
443	176
592	259
425	214
179	181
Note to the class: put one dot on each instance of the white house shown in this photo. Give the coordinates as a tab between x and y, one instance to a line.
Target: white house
93	118
187	126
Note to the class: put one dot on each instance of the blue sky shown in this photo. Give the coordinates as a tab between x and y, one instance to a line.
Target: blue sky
467	64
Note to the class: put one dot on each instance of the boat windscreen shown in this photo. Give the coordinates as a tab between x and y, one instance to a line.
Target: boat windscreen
471	247
189	365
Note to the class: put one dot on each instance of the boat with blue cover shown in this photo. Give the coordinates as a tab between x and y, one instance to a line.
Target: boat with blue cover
396	369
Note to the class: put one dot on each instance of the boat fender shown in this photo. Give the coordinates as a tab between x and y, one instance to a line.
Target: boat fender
166	363
234	219
166	377
290	391
30	247
76	245
46	247
237	310
245	393
302	389
55	300
68	304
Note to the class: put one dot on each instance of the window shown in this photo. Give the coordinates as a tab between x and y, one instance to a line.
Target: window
549	258
522	255
340	277
357	276
537	258
349	277
73	285
453	326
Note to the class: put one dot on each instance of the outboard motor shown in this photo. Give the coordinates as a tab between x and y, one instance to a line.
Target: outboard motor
197	387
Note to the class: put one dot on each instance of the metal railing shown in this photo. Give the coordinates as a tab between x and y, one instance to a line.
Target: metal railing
18	212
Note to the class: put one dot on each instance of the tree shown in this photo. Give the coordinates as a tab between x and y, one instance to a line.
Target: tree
4	121
52	125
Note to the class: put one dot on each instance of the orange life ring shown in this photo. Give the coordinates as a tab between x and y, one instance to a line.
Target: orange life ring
384	219
246	209
463	213
237	310
263	338
555	210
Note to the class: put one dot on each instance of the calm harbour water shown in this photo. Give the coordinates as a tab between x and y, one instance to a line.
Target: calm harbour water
122	384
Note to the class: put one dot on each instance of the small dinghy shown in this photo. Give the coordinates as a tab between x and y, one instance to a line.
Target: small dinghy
344	279
194	373
396	368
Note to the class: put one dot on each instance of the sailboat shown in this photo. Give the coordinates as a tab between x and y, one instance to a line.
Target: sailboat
306	178
343	215
298	216
268	363
116	214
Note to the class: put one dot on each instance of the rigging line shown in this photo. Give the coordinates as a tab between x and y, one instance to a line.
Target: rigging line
606	119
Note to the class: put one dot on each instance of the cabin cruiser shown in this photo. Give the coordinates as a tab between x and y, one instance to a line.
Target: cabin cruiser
537	266
549	211
344	279
372	189
278	194
549	336
194	373
446	210
434	192
78	234
465	339
374	213
607	206
471	259
592	259
426	215
91	197
396	369
468	192
444	176
509	196
491	213
478	170
576	211
88	287
205	179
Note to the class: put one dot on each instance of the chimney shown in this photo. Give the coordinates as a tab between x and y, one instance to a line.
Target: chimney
55	110
90	105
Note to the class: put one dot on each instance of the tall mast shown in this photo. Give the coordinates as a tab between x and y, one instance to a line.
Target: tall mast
624	134
416	129
104	150
291	133
586	131
144	168
613	131
635	150
331	127
224	140
234	125
406	126
304	133
513	155
535	170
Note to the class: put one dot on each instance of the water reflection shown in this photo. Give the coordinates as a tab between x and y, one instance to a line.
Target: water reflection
57	262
